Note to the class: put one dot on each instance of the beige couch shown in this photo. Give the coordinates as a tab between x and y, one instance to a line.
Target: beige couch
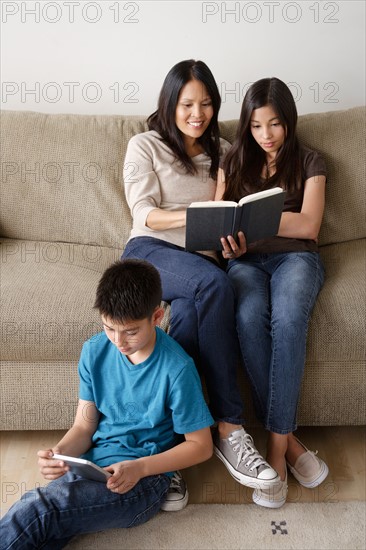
64	219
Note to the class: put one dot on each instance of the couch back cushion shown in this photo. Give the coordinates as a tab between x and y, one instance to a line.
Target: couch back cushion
62	177
340	137
62	174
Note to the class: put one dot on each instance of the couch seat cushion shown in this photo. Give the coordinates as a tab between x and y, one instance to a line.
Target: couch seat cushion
337	328
48	291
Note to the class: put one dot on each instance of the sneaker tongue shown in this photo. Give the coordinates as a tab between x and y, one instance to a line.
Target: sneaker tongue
237	433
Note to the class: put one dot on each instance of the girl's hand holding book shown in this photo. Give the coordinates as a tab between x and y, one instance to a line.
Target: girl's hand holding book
232	249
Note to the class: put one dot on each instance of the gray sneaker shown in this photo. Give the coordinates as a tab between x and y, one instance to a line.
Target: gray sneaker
243	461
177	496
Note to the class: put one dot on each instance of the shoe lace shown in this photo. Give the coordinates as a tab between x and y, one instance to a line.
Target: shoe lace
176	483
247	452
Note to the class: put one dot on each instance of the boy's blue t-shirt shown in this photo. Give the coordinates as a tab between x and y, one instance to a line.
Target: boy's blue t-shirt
142	407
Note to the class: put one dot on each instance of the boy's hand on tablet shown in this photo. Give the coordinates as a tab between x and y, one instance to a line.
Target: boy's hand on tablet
125	475
49	467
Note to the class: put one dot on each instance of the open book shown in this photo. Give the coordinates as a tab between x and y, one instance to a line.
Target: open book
257	215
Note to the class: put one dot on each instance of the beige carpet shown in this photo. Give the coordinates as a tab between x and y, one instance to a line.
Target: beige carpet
335	526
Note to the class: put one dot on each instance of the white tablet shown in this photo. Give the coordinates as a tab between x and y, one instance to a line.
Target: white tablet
84	468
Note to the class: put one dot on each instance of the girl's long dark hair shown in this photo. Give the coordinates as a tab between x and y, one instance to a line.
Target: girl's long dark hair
163	119
244	162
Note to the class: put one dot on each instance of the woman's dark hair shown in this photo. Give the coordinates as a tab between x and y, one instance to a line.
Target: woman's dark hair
163	119
244	162
129	290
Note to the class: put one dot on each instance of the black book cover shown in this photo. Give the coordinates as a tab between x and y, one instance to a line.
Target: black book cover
258	219
205	226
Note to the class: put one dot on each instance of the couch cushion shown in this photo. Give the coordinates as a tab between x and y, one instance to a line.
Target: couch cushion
48	291
337	329
62	177
65	174
339	137
40	395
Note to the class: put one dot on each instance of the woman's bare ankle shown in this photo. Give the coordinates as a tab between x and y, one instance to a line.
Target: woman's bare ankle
276	451
226	428
294	449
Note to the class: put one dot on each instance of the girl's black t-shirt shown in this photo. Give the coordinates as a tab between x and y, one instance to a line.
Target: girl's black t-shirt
313	165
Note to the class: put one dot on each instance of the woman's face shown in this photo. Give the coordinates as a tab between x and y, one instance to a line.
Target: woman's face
194	110
267	130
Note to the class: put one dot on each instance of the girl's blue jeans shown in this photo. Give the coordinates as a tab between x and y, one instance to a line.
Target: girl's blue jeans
202	301
276	294
50	516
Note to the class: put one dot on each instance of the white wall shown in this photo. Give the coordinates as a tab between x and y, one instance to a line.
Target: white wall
109	57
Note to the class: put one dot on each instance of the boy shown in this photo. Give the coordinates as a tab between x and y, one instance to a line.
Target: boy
138	390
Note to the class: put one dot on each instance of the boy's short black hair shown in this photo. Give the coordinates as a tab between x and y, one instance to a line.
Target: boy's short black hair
129	290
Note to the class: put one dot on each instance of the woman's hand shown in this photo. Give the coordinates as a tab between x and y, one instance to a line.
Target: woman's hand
232	249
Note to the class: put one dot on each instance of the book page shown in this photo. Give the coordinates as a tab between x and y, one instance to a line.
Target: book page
205	204
260	195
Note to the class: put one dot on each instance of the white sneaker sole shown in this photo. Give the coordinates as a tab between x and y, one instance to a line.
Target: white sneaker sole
274	497
324	471
248	481
175	505
268	502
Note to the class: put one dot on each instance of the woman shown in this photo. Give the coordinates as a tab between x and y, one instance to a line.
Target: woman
176	164
276	280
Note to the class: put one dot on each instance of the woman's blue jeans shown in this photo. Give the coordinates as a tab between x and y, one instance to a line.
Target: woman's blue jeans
276	294
50	516
202	301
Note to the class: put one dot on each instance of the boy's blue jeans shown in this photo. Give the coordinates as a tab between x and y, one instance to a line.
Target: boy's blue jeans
50	516
276	294
202	301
